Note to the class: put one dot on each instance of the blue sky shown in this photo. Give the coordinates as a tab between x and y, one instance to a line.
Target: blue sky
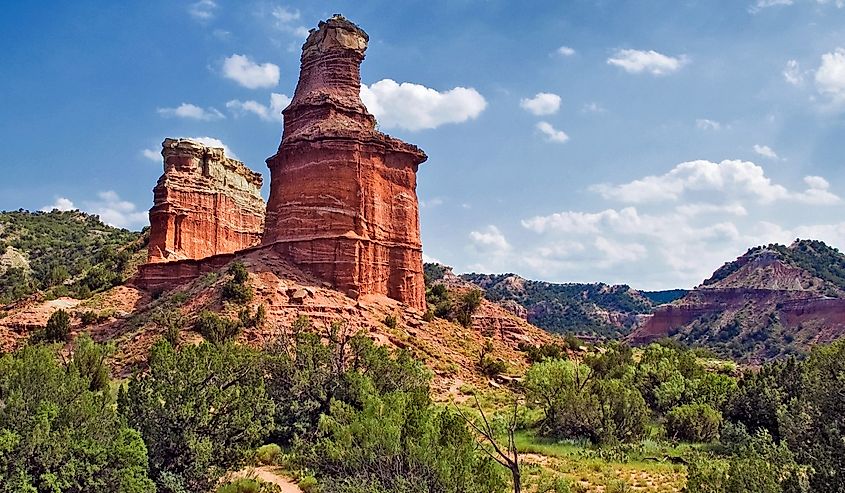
628	142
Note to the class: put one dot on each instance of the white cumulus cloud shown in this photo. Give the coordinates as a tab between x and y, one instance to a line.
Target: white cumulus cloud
830	77
249	74
617	253
60	204
115	211
592	107
705	124
191	111
151	154
565	51
214	142
652	62
792	73
270	113
765	151
112	210
286	21
764	4
489	239
818	192
551	133
732	178
416	107
543	103
202	10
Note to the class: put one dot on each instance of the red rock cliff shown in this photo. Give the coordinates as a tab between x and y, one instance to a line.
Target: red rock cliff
343	200
205	204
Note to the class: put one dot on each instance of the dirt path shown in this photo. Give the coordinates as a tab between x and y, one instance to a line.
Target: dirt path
268	474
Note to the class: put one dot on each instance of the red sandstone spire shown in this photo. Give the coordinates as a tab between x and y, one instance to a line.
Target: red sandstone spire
330	78
343	197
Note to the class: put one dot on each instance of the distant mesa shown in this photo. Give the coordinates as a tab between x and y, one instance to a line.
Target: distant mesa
343	203
773	301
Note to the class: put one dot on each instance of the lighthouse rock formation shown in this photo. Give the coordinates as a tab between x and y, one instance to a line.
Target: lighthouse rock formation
343	203
343	200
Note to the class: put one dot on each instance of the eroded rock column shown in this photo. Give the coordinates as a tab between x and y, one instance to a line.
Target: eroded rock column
205	204
343	200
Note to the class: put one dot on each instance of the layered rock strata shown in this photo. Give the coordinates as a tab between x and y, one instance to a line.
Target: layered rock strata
205	204
769	299
343	201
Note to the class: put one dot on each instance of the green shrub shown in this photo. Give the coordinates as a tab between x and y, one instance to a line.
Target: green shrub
390	321
618	486
260	317
309	484
577	407
548	483
492	367
621	412
694	423
304	375
813	422
217	329
89	362
58	327
236	289
236	292
270	454
249	320
172	322
238	272
179	298
88	317
439	302
572	342
557	387
247	485
544	351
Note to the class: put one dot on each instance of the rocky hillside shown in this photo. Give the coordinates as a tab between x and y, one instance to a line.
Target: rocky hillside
586	309
773	301
133	319
62	253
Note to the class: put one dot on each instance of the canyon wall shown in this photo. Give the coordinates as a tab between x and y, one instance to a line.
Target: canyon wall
205	204
795	309
343	201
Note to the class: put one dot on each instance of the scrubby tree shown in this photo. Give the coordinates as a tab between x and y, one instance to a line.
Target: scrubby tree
557	387
59	429
237	289
58	327
217	329
393	443
812	421
304	374
621	414
468	303
757	464
201	411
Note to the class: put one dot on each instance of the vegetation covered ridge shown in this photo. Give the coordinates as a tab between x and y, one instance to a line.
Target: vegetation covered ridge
63	253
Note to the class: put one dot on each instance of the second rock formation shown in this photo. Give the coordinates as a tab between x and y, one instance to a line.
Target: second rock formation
205	204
